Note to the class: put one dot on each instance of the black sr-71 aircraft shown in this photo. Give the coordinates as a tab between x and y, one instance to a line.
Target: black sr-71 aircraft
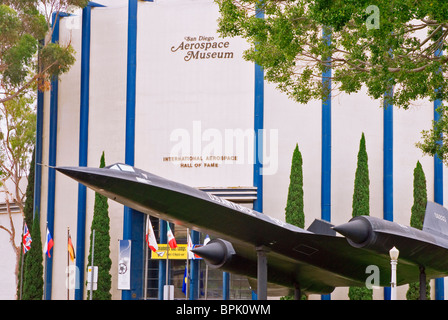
315	260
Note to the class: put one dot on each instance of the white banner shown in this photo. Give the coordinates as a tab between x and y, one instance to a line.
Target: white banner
124	265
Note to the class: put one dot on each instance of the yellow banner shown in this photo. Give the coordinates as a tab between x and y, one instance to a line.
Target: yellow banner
179	253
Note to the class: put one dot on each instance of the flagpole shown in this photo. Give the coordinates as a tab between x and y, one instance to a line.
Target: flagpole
145	286
187	285
171	241
166	268
68	265
91	269
206	280
206	240
23	255
167	262
21	276
46	265
145	294
188	262
167	265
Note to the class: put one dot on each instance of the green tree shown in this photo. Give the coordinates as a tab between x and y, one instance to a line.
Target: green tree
361	206
26	63
294	213
17	136
33	281
28	209
374	45
101	225
16	145
435	140
417	218
27	216
23	24
361	194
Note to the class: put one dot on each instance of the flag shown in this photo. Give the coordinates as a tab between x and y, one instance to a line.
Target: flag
171	240
26	239
48	243
71	249
206	240
190	254
184	284
150	236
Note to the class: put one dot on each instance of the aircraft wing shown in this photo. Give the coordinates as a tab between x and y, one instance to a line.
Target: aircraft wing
315	259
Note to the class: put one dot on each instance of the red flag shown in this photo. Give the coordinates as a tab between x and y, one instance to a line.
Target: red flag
48	243
171	240
26	239
190	254
150	236
71	249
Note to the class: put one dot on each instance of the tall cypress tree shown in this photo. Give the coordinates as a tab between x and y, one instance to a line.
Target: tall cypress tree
294	213
33	280
28	208
417	217
361	206
101	225
361	193
27	216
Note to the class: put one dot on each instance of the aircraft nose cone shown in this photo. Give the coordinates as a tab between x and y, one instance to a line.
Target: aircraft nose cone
69	171
216	253
355	230
80	174
213	252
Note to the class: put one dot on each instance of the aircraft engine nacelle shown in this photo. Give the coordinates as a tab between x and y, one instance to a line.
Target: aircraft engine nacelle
216	253
380	235
220	254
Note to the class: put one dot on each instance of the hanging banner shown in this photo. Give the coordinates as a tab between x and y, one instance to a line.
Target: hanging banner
124	265
179	253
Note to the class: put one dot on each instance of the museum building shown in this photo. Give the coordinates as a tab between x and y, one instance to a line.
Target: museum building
155	86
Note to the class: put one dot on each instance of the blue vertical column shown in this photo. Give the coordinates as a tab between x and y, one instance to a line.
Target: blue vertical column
38	152
258	148
133	221
326	138
388	188
258	130
52	149
194	270
388	192
258	156
162	263
83	145
438	189
258	152
226	286
326	142
438	198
